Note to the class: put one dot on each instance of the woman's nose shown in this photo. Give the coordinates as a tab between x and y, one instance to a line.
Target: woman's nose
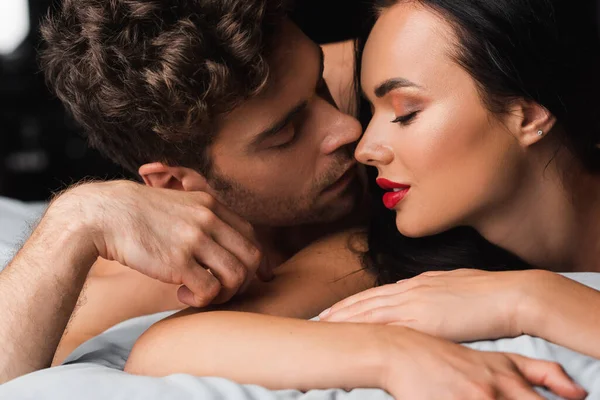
370	152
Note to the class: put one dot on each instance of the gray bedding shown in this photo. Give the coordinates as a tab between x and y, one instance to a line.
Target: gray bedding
16	219
94	370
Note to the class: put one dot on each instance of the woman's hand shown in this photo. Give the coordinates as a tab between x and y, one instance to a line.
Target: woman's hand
462	305
469	305
427	368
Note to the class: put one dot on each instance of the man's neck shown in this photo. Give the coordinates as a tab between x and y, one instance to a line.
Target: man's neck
549	222
281	243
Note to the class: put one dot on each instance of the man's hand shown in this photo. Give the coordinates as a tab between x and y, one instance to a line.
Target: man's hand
176	237
184	238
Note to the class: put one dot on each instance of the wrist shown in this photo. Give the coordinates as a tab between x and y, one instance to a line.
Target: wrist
70	227
388	348
54	252
85	212
529	312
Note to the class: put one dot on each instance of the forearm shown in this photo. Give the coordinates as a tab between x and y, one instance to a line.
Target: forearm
38	292
564	312
277	353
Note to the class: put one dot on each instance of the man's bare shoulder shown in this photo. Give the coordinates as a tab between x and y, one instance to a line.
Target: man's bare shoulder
113	293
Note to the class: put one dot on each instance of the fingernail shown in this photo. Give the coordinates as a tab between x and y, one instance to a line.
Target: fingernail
325	313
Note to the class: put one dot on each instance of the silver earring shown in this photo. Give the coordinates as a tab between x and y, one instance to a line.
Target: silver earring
540	133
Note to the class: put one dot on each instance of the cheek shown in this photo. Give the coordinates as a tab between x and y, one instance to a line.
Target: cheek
436	145
284	173
458	161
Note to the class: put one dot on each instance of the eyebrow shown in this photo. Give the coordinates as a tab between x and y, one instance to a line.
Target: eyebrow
395	83
274	129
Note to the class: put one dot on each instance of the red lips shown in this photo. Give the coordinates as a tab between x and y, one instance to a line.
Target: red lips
399	191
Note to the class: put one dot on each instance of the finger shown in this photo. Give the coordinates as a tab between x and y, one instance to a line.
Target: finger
225	267
434	273
549	375
265	270
360	307
233	220
264	273
381	315
454	273
516	388
199	287
386	290
236	244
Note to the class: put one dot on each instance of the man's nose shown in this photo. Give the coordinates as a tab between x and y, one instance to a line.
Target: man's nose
345	131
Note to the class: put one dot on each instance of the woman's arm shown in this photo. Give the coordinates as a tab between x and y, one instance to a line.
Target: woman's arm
469	305
252	348
281	353
561	311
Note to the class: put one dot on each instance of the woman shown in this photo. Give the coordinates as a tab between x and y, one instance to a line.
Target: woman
500	142
478	118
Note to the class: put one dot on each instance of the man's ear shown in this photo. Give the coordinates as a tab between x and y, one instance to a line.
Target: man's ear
531	122
177	178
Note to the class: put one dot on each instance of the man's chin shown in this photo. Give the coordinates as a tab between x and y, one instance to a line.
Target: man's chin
340	206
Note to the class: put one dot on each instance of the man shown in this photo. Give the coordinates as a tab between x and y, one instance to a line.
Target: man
222	99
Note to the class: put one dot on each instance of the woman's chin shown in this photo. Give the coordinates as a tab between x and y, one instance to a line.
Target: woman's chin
413	227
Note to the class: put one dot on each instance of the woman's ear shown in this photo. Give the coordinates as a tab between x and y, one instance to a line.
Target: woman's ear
533	122
163	176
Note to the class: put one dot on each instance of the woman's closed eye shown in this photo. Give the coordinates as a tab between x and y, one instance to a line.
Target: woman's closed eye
406	119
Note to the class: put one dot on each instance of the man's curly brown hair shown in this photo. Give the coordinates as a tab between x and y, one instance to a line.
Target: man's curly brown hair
147	78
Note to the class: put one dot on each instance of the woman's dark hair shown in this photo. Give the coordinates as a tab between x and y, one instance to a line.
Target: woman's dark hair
546	51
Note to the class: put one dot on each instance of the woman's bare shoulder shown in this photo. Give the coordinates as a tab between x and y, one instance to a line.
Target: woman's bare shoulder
342	251
317	277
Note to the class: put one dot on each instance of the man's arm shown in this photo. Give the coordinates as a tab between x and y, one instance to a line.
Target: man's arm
38	291
124	222
112	294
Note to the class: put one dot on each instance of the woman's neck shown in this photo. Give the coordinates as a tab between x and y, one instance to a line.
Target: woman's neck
550	221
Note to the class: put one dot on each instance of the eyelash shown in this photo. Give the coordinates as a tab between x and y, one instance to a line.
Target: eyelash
287	144
406	119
